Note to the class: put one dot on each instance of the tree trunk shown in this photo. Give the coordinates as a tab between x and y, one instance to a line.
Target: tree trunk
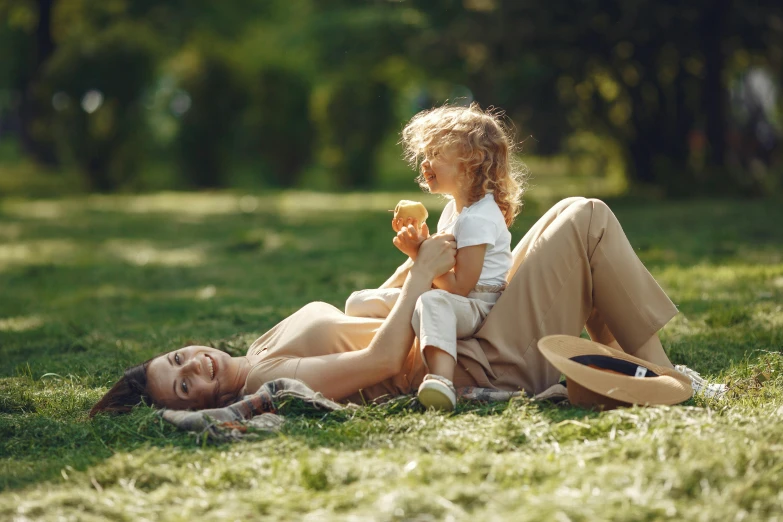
34	105
641	161
713	94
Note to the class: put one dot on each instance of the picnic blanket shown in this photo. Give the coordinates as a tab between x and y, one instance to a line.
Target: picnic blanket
255	414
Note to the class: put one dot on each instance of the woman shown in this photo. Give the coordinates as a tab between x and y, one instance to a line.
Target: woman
574	268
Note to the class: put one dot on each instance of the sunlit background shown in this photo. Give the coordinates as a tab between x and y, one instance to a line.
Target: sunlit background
669	98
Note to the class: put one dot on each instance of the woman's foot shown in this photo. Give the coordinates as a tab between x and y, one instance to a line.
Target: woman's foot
700	386
438	393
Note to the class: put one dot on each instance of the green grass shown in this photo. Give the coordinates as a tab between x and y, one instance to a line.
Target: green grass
92	284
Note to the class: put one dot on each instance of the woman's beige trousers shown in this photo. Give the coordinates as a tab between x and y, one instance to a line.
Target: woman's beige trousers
574	268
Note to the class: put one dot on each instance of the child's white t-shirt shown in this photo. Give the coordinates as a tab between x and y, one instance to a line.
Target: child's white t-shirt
481	223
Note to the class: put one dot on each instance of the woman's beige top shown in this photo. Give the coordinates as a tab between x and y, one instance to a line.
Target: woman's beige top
320	329
573	269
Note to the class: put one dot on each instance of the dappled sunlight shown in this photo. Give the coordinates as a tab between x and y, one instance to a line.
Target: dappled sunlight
739	254
548	190
194	207
708	279
772	319
207	292
769	255
36	252
189	204
21	323
141	253
199	293
10	231
110	291
39	209
58	395
717	319
681	326
295	204
721	306
289	203
183	203
268	239
358	279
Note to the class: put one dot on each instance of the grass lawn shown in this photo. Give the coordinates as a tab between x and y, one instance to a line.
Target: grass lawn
89	285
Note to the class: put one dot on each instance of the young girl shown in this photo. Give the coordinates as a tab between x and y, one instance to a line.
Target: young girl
463	153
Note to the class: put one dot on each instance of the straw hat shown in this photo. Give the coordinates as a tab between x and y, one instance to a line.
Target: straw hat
601	376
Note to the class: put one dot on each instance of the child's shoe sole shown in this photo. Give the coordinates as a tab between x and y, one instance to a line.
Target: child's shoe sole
436	395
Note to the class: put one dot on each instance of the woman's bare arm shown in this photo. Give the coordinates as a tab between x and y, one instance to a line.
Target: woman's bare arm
398	278
342	374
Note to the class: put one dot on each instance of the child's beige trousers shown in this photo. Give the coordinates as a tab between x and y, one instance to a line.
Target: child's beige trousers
440	317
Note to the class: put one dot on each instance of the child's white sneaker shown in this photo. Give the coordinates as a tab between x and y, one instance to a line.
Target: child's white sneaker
438	393
700	386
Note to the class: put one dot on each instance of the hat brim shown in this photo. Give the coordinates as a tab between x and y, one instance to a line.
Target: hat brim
668	387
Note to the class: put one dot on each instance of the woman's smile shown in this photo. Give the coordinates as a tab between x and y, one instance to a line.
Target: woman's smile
212	366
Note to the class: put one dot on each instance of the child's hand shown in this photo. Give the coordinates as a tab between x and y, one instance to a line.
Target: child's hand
409	238
398	224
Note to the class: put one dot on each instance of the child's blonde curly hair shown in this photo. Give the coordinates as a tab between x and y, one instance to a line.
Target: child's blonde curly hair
484	145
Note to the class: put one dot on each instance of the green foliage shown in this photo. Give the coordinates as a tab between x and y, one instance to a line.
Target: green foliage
94	284
355	119
17	20
282	89
116	64
205	144
278	127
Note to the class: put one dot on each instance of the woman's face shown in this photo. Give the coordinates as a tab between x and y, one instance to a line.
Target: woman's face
195	377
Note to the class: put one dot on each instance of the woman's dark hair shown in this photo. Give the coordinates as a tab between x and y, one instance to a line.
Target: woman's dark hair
129	391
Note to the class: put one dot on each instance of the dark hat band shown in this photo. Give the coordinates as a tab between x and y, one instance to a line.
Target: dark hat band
605	362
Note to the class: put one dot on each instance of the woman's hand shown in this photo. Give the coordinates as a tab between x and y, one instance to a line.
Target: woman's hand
409	237
436	255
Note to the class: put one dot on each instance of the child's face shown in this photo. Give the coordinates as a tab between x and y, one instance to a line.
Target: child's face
442	171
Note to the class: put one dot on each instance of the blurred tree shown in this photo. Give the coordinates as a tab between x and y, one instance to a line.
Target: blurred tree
648	74
100	57
359	52
209	128
476	44
278	124
97	83
27	26
289	82
356	117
